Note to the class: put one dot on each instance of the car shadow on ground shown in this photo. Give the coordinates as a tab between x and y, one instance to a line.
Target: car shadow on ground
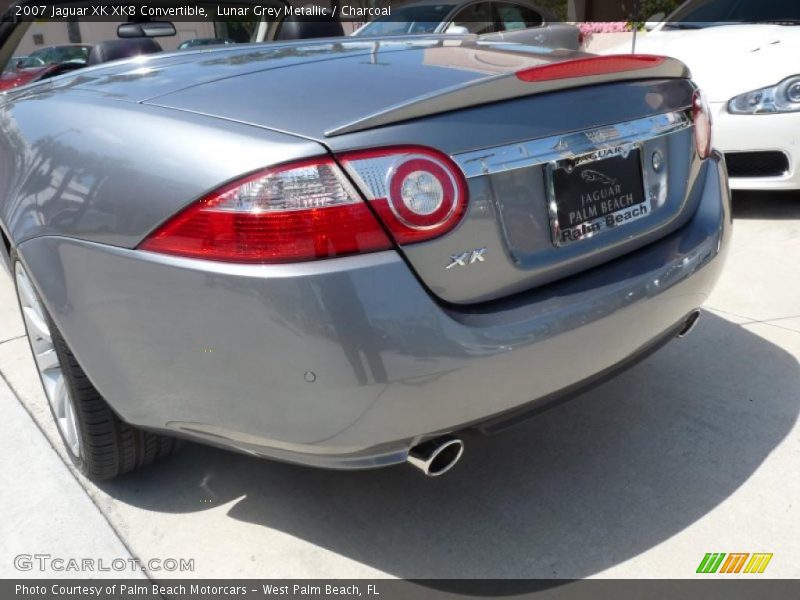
576	490
766	205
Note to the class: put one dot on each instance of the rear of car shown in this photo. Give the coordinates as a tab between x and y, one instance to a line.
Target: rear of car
342	276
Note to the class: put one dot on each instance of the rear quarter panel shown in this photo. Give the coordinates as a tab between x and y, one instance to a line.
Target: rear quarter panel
78	164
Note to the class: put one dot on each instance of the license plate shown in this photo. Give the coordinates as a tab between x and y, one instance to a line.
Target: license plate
589	195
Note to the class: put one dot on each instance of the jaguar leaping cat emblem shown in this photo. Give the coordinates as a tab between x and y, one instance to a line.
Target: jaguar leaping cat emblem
591	175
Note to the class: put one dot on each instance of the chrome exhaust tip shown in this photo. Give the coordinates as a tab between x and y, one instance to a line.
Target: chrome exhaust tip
437	456
689	324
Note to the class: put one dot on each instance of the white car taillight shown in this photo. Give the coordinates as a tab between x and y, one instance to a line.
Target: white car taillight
309	209
701	116
418	193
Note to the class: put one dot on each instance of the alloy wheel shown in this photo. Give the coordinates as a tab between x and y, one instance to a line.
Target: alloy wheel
47	361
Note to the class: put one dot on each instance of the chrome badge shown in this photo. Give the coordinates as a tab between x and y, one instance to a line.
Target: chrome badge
467	258
606	134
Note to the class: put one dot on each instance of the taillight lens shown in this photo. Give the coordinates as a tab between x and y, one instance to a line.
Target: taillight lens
701	115
588	67
309	210
296	212
418	193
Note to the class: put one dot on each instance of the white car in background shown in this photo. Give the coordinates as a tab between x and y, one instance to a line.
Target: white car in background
745	56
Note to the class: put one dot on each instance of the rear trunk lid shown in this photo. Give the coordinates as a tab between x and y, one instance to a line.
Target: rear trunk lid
566	168
351	86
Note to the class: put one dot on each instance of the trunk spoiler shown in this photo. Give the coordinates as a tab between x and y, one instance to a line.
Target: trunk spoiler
548	77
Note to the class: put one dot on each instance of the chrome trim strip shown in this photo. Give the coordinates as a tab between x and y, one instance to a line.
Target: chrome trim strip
545	150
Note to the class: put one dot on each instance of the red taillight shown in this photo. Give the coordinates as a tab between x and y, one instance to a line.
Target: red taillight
701	115
418	193
586	67
309	210
296	212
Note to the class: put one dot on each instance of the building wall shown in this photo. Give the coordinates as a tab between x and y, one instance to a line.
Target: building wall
576	10
51	34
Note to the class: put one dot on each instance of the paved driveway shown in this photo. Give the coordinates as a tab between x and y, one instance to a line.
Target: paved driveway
695	450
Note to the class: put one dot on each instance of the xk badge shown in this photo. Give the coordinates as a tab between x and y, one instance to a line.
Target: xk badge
467	258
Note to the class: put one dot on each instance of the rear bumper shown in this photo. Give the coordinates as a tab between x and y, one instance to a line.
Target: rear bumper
347	363
760	133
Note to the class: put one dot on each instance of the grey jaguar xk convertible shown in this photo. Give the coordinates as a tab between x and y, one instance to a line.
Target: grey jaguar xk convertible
343	253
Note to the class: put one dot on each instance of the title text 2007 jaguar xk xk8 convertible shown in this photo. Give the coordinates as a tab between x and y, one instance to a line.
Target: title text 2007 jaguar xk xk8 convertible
343	253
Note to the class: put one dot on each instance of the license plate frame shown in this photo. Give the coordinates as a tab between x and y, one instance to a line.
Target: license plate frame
575	220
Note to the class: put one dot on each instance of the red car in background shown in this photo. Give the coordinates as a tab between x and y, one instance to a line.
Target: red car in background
43	63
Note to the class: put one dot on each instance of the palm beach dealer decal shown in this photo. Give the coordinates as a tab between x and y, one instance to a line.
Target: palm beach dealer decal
604	205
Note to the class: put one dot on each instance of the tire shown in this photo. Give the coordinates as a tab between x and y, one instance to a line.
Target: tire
99	443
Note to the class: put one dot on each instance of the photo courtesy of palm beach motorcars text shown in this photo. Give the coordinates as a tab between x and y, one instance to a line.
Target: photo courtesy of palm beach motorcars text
399	299
196	590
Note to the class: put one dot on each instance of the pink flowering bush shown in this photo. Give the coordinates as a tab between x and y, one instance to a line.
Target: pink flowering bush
589	28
